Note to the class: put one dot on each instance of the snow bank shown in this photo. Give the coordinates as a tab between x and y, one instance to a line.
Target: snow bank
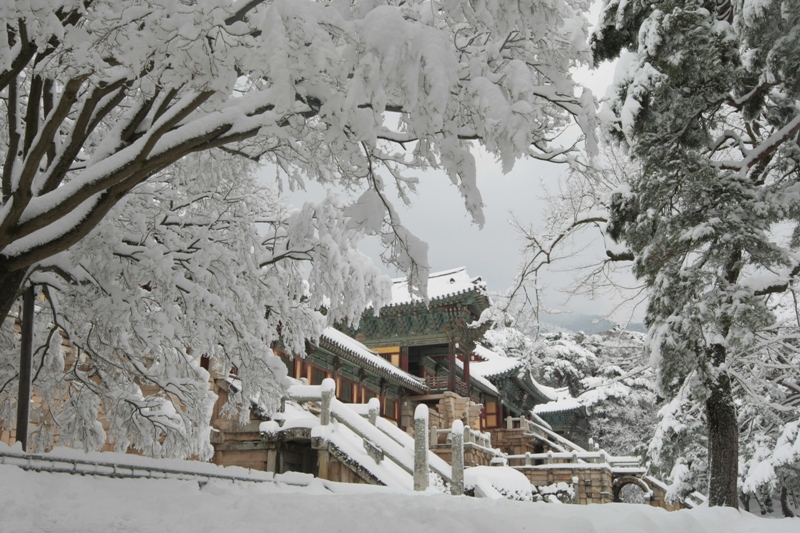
508	482
41	502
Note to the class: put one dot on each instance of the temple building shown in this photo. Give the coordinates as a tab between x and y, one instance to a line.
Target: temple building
412	352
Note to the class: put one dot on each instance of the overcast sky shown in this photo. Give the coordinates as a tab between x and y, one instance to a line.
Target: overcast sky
437	216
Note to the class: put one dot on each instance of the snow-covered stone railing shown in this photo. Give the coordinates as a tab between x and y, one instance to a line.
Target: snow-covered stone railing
304	393
627	464
471	436
381	436
130	466
421	447
370	411
695	499
457	433
543	432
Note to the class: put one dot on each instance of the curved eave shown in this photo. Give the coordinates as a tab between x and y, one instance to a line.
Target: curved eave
452	297
579	409
397	379
500	375
532	391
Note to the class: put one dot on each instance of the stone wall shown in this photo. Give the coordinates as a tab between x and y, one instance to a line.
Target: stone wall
473	455
342	472
512	441
659	498
241	445
453	407
238	444
593	485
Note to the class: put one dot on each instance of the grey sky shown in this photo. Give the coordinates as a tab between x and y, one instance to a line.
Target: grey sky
437	216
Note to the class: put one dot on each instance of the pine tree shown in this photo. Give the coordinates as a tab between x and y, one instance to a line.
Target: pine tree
708	102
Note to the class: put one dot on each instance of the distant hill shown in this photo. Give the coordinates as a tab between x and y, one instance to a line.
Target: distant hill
585	323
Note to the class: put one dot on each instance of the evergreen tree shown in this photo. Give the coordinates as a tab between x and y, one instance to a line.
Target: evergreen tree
708	102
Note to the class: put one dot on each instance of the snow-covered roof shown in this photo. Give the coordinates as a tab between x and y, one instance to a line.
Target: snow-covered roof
362	353
440	285
566	403
492	364
485	383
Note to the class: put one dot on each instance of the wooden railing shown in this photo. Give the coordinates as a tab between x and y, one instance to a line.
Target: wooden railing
436	383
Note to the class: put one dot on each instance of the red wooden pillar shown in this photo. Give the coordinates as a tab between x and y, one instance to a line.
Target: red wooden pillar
404	358
467	357
451	367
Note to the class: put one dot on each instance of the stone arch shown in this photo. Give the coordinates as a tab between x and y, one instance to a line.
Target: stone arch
618	483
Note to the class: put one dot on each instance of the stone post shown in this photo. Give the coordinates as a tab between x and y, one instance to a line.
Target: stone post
549	459
457	482
272	458
509	423
328	390
323	464
527	458
421	447
373	408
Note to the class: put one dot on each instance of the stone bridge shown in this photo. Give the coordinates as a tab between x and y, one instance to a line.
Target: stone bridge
595	476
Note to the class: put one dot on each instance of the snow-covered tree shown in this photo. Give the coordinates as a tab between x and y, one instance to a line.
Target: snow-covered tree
765	391
607	372
621	393
100	95
201	260
708	102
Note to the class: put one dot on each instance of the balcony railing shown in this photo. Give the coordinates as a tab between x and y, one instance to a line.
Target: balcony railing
436	383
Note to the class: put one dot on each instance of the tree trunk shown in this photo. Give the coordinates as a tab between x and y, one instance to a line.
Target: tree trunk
745	501
10	283
787	512
723	439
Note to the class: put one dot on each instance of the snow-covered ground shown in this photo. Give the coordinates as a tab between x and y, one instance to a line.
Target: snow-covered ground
44	502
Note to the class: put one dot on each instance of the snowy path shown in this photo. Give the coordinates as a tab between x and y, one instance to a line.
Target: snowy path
42	502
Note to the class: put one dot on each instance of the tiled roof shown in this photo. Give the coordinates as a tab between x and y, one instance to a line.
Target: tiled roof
492	364
357	350
561	405
440	285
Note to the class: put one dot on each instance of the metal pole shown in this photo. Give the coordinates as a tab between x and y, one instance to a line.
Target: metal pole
25	368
